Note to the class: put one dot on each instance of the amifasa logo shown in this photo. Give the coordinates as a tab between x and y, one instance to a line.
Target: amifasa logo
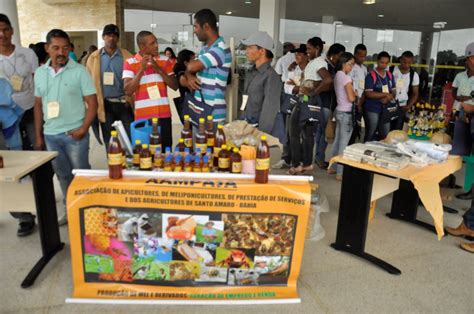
195	183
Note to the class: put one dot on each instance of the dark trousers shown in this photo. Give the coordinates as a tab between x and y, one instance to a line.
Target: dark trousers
166	133
301	140
115	111
286	154
469	215
27	129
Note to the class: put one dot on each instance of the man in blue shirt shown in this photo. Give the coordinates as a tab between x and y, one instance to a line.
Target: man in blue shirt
106	67
210	71
62	120
379	91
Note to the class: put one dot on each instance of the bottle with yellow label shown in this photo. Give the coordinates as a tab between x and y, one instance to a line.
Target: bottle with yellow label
262	163
178	166
168	163
158	158
236	161
114	157
155	138
205	164
188	167
218	142
210	132
201	141
136	153
187	132
197	166
145	158
224	159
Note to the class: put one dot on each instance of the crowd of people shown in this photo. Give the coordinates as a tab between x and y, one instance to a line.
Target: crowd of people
308	97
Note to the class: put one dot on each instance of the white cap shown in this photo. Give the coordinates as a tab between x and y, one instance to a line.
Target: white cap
261	39
470	50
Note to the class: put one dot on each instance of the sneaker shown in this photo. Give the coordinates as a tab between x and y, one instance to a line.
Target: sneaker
281	165
26	228
62	220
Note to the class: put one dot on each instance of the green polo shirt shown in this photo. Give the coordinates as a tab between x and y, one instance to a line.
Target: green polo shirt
67	87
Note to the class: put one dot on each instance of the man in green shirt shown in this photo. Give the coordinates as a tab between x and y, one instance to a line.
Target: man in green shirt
62	119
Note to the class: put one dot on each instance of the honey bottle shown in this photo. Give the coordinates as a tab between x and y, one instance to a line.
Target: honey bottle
205	164
114	157
178	166
210	132
262	163
136	153
168	163
187	132
236	161
145	158
219	141
155	138
224	160
158	158
201	141
188	167
180	147
197	163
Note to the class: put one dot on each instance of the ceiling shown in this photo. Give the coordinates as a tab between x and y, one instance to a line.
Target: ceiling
415	15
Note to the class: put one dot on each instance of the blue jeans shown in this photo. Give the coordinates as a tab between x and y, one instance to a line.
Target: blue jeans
373	124
320	135
12	137
72	154
343	135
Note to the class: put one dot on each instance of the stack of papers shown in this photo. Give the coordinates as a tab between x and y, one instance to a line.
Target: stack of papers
377	154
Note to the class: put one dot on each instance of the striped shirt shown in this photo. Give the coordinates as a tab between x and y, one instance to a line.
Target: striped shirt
213	77
145	107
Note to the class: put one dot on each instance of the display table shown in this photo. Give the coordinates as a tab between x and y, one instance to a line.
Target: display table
363	181
37	164
186	237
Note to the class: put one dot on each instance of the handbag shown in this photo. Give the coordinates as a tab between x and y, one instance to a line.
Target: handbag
288	103
330	128
390	111
310	109
196	108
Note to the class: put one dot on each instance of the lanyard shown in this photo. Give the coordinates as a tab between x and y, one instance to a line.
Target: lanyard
12	65
47	84
380	80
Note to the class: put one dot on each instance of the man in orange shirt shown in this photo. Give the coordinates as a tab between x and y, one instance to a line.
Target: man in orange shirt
146	76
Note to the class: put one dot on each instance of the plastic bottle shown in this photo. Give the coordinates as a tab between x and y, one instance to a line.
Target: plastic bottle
197	163
178	166
168	163
187	132
145	158
155	138
168	152
158	158
210	132
262	163
235	161
219	141
114	157
224	160
136	153
188	167
201	141
205	164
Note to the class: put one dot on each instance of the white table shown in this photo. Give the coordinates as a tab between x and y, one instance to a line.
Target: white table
18	164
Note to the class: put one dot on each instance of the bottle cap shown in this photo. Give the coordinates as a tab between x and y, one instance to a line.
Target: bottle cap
181	140
168	149
178	158
209	150
187	159
113	133
186	150
186	117
236	150
201	120
220	126
138	142
198	150
154	120
209	117
263	138
205	159
144	145
197	158
224	146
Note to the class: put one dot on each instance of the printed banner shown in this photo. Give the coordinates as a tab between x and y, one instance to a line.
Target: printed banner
186	239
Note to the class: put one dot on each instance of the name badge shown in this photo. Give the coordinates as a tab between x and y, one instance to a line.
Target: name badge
245	98
17	82
362	84
400	83
385	89
53	110
108	78
153	92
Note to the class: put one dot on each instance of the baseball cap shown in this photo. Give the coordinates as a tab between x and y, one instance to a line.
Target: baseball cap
301	48
111	29
470	50
261	39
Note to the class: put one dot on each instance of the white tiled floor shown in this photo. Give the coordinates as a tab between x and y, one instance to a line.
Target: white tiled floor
437	276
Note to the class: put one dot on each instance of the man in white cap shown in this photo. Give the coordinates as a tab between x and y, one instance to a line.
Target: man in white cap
261	96
464	92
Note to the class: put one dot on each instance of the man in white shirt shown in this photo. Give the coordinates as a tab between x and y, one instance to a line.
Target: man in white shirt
358	74
18	64
282	65
407	82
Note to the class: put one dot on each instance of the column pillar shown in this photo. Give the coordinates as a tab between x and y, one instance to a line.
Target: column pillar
8	7
269	21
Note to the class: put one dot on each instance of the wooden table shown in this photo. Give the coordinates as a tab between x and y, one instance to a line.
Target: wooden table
18	164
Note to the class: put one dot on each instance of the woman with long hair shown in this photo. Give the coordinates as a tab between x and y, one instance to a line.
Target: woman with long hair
345	97
184	57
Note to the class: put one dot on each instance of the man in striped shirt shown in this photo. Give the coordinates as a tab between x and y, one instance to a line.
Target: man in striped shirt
210	71
146	76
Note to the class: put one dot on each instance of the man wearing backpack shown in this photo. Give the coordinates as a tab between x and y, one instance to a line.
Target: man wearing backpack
407	82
